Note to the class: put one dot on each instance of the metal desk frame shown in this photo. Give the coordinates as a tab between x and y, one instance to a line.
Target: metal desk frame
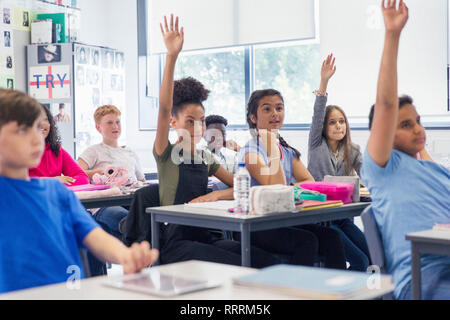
219	219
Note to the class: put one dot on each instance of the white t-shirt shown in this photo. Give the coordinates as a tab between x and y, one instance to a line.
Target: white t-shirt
100	156
228	159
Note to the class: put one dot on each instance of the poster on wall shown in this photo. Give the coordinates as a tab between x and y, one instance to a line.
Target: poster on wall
49	82
21	19
99	77
7	81
6	17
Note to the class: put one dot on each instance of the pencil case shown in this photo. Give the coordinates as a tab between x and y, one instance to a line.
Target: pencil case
305	194
334	190
271	199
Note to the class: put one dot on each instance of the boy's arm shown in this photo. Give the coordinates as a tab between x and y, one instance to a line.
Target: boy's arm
382	135
107	248
90	173
173	40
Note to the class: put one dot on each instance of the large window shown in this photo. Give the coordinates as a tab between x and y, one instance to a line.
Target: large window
293	68
221	72
353	31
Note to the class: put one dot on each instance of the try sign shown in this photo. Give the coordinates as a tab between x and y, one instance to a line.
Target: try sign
49	82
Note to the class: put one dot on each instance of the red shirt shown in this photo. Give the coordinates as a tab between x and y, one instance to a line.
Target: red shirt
53	166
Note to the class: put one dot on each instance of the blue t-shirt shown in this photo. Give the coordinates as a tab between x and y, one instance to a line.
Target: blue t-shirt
408	195
43	225
287	158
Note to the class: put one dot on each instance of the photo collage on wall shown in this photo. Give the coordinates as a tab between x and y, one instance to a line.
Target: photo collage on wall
99	80
7	63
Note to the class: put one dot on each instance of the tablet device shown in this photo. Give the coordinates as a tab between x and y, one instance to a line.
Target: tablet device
159	284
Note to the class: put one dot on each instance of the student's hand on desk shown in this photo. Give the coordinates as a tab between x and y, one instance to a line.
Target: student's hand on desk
66	180
138	257
210	197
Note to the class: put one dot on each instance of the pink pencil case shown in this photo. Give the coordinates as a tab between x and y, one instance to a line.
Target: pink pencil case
334	190
88	187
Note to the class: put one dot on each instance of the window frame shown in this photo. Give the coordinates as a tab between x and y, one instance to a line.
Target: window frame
145	99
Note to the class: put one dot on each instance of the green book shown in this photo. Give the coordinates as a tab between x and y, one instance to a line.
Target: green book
59	19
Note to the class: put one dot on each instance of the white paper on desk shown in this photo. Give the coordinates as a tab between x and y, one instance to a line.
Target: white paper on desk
216	205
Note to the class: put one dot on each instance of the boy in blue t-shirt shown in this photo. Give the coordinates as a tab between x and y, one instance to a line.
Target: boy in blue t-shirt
43	223
408	195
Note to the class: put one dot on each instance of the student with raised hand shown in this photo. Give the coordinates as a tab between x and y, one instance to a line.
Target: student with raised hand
183	170
331	152
408	195
43	223
56	162
271	160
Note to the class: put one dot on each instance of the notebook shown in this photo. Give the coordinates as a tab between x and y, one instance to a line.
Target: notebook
441	227
312	282
313	204
88	187
222	205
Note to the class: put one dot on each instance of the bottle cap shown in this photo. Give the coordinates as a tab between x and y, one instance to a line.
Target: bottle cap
241	164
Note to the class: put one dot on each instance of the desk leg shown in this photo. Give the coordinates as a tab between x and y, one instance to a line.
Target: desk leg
155	235
416	273
245	245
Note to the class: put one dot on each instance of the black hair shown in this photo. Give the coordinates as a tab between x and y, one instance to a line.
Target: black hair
402	101
53	139
211	119
252	108
188	91
16	106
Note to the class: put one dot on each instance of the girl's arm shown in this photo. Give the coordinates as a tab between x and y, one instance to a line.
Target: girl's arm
384	125
225	176
226	194
173	40
71	169
107	248
266	174
315	133
301	174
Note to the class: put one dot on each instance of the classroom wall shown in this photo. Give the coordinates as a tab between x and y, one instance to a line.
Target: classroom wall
112	23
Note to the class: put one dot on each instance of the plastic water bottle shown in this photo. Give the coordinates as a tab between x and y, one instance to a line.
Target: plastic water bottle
241	190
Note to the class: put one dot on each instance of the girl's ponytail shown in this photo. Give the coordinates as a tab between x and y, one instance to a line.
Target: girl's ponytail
286	145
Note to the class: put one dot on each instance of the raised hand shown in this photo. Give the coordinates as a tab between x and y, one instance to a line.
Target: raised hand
394	19
173	38
328	68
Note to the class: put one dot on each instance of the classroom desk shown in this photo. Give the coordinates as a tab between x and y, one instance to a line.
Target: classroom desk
112	201
93	288
223	220
428	241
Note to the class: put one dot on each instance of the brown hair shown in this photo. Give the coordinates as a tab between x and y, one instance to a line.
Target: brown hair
252	108
105	110
16	106
346	142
